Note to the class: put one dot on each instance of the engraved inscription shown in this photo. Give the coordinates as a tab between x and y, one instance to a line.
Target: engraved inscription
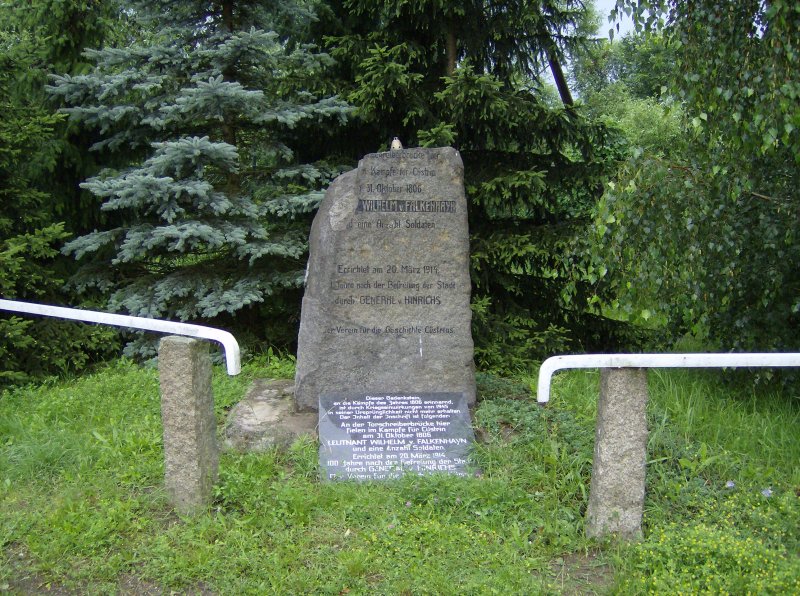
409	286
378	437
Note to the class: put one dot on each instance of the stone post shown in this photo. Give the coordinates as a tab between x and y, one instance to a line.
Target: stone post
616	499
191	458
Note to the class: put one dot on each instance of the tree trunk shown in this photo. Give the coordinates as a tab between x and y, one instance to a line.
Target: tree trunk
558	76
227	15
452	50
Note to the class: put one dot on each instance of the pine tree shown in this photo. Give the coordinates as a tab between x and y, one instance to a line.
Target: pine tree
52	35
35	209
210	200
470	74
28	237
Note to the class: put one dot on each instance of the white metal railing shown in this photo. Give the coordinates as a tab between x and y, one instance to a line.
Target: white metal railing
700	360
229	343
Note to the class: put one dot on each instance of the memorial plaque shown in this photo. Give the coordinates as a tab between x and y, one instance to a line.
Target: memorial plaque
387	301
380	436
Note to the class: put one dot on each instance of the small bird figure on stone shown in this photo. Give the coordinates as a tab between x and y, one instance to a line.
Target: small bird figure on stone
396	144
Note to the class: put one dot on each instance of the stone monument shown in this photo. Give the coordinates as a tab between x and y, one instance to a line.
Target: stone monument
387	302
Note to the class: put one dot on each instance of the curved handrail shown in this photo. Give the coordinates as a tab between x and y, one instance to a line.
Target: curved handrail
229	343
699	360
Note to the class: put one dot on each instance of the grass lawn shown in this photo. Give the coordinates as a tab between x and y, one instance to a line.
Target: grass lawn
82	507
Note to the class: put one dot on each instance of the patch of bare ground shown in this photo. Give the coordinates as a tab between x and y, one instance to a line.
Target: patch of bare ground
24	581
130	585
507	433
582	573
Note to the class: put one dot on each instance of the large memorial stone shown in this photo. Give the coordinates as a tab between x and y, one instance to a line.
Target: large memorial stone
387	301
379	437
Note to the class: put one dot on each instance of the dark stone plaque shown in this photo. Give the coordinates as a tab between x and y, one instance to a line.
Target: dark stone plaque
382	436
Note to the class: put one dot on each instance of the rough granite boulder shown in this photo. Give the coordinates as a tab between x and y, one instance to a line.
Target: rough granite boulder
266	418
387	301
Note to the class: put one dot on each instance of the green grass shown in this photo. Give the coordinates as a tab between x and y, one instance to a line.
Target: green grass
82	506
722	512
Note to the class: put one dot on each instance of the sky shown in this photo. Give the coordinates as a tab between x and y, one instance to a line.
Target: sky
604	7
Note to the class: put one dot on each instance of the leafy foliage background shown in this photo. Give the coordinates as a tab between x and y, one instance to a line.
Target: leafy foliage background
706	232
182	155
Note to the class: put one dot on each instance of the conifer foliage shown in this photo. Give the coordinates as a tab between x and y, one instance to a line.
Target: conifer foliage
34	218
467	74
208	203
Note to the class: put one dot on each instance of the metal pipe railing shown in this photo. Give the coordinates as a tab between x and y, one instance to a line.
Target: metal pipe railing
229	343
699	360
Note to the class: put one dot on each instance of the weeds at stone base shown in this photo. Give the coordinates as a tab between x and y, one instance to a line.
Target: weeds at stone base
80	497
